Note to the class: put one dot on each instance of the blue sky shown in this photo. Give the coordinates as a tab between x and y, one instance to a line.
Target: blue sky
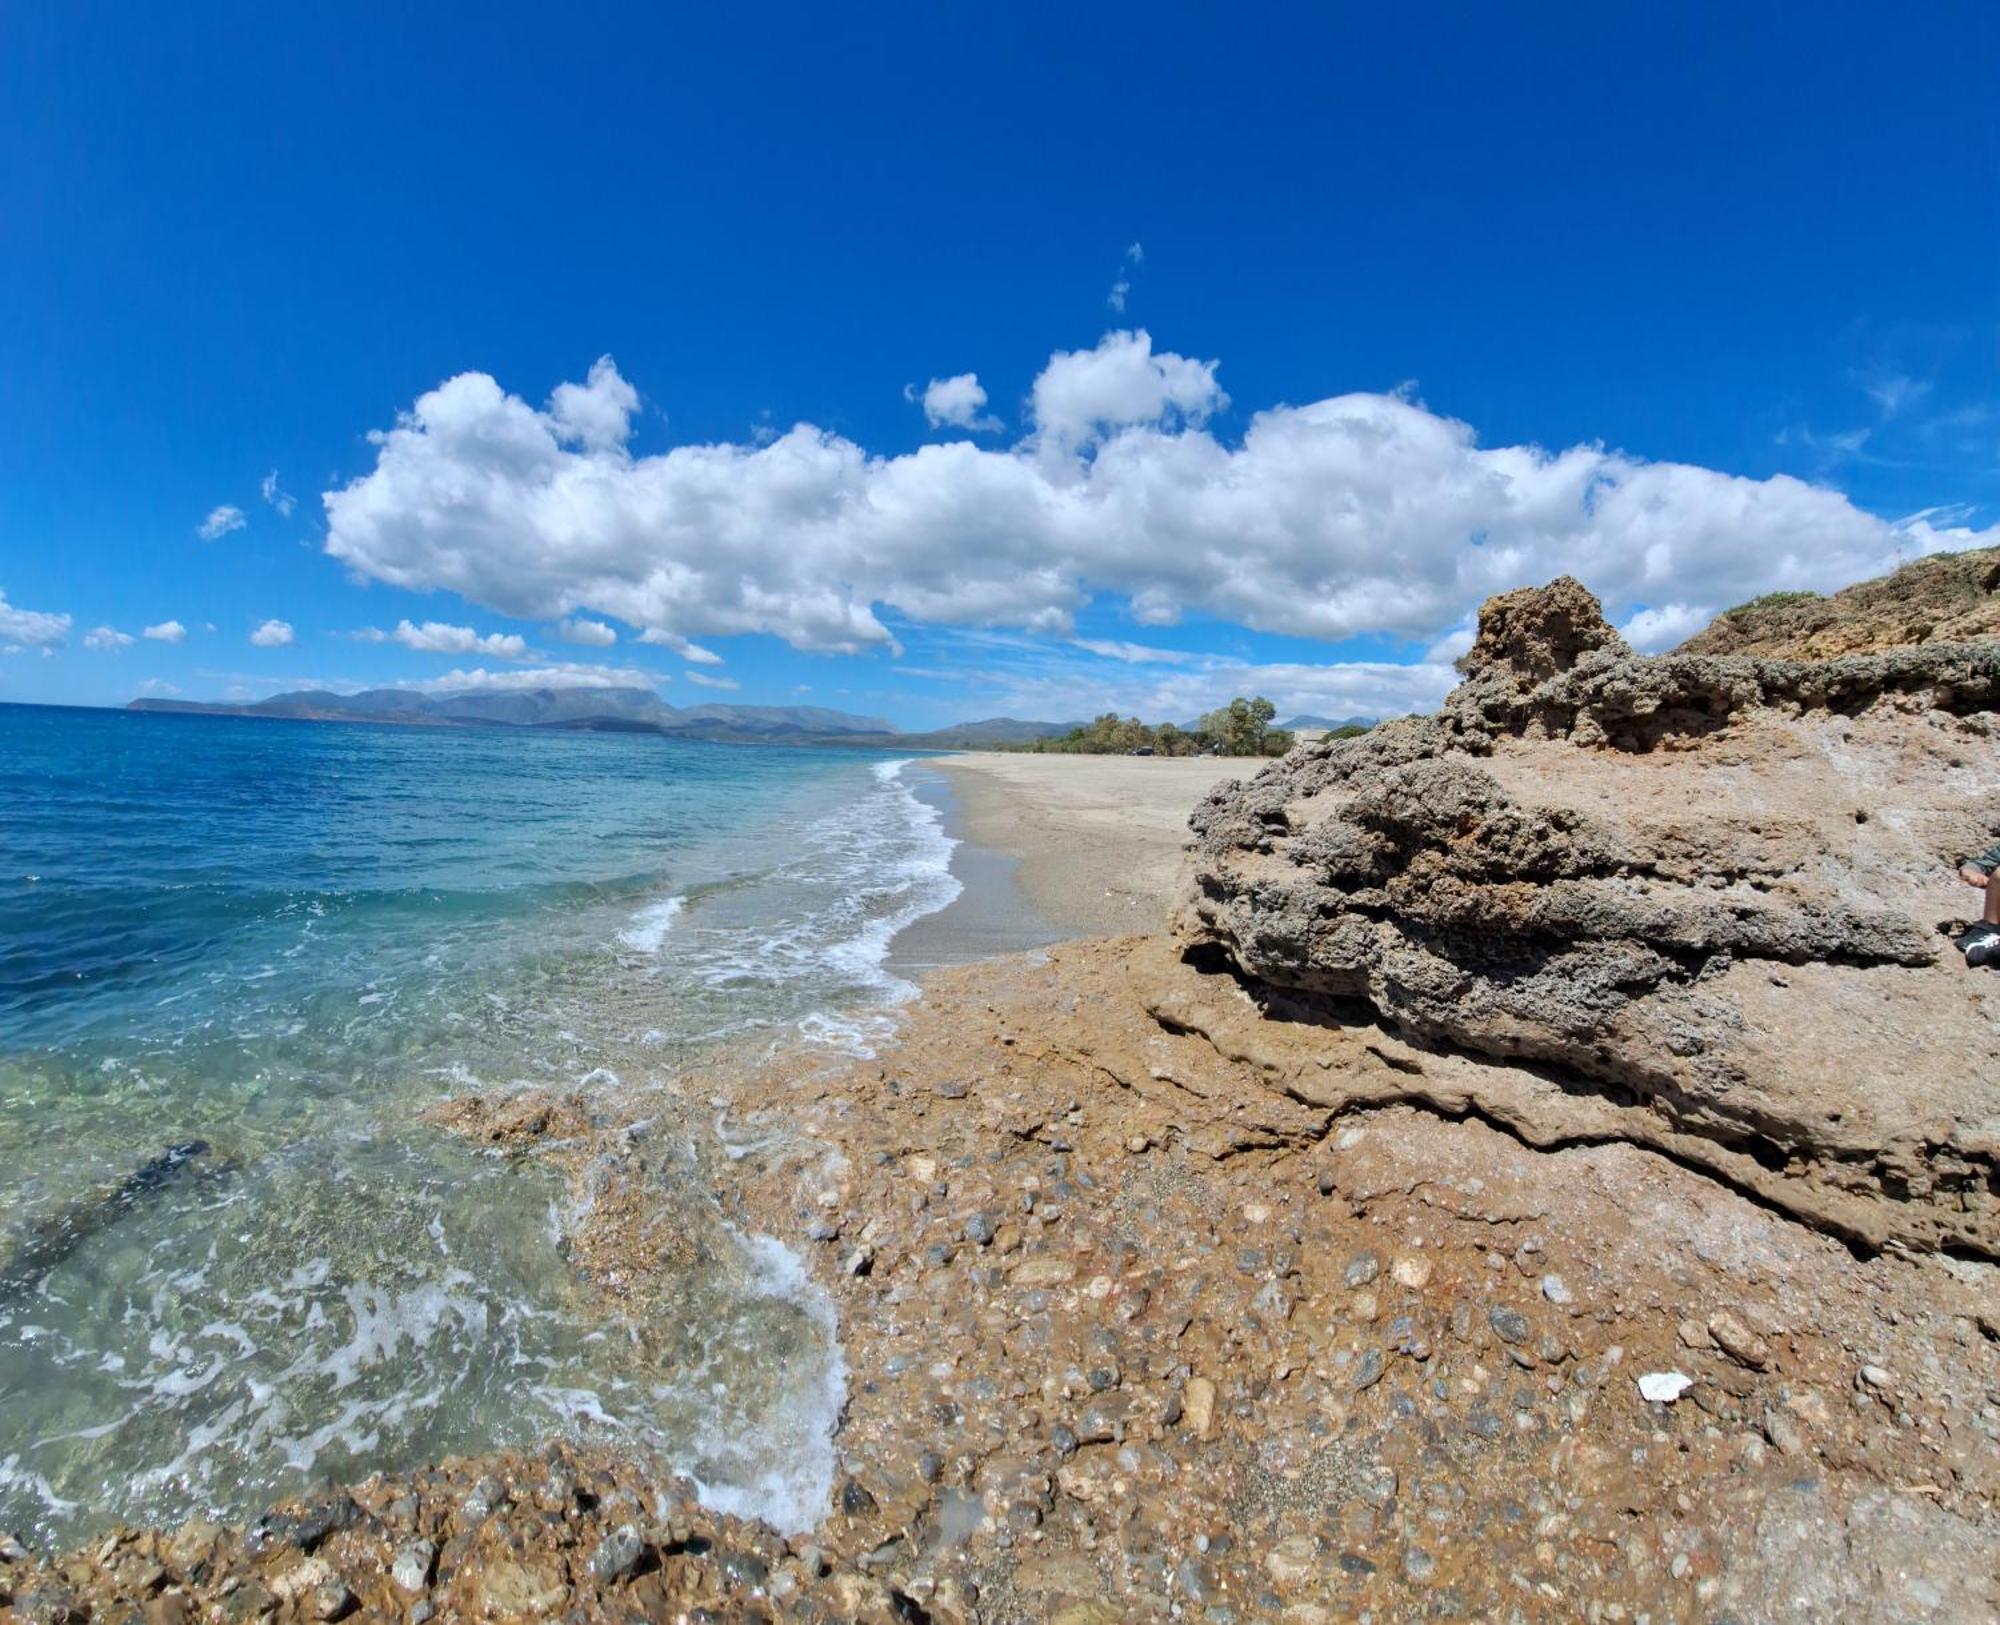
1291	333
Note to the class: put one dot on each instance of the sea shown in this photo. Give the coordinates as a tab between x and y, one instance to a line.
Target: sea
240	958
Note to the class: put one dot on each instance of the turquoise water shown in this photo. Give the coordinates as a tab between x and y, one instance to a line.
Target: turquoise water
280	942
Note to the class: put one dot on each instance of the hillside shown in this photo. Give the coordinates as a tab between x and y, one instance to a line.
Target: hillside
614	710
1946	598
595	709
1310	720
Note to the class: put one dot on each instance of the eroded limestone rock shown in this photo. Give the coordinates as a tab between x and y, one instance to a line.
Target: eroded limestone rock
1699	898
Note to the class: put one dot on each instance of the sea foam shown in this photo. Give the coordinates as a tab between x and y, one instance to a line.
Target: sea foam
651	924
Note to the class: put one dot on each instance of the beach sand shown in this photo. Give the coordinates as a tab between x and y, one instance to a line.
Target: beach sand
1097	841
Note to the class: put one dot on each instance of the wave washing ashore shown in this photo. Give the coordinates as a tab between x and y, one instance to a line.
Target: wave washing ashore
238	963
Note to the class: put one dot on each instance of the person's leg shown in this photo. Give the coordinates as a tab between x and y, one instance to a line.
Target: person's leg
1992	914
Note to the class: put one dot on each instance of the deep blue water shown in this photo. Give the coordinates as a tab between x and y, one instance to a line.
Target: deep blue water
286	940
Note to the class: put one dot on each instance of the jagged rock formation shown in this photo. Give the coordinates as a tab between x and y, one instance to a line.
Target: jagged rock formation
1690	901
1946	598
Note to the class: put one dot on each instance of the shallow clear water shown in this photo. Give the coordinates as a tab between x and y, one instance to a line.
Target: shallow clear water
285	940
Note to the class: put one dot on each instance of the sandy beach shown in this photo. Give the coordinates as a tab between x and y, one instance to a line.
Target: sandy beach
1098	840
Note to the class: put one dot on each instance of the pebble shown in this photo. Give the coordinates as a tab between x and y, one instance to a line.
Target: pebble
332	1600
1361	1269
1411	1270
1876	1377
1293	1560
1198	1406
617	1554
980	1229
412	1568
1509	1325
1368	1370
1556	1290
1664	1387
487	1497
1783	1434
1738	1341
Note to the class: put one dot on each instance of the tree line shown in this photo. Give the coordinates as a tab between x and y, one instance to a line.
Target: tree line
1240	728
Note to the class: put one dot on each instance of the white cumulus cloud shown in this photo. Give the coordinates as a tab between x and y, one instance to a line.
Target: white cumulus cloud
31	628
1653	630
437	637
957	403
272	635
166	632
1353	514
107	637
220	522
1084	395
579	629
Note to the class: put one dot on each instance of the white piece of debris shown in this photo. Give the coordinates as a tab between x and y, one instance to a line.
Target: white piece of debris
1664	1387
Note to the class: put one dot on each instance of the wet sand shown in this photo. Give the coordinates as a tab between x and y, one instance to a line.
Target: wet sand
1096	841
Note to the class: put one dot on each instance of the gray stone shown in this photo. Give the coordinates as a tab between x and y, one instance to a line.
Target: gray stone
617	1554
412	1567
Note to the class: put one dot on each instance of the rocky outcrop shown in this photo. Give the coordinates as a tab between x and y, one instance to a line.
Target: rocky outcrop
1691	901
1946	598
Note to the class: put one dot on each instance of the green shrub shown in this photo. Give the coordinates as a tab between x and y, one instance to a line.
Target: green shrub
1773	600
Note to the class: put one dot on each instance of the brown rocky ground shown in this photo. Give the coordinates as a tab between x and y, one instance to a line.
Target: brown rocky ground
1136	1335
1947	598
1552	1176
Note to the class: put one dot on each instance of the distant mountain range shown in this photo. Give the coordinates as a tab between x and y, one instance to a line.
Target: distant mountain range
615	710
1307	720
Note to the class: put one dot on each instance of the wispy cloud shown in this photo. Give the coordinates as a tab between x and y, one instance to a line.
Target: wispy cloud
693	653
1137	654
1895	393
107	637
278	498
220	522
1121	288
703	680
558	674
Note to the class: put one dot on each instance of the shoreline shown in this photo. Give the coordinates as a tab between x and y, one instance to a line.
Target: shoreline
1142	1320
1097	843
991	916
